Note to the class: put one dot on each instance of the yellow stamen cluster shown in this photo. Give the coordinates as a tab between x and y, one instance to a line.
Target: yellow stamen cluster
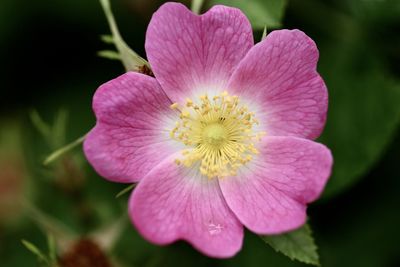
218	132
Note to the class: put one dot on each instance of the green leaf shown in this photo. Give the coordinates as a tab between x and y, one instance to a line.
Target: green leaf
109	54
125	190
264	34
52	247
364	94
35	250
260	12
364	90
42	127
59	128
130	59
106	38
363	117
297	245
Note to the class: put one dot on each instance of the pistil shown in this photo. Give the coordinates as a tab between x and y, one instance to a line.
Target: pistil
218	133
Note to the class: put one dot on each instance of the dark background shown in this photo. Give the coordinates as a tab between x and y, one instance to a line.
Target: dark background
49	63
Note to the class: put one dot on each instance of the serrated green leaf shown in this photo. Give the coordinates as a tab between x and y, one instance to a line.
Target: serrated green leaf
260	12
130	59
297	245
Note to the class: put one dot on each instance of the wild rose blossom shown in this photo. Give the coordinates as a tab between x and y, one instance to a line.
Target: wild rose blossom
221	137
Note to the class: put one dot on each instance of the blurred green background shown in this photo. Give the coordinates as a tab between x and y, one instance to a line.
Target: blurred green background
50	70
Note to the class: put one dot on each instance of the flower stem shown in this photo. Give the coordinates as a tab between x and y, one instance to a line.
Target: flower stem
130	59
196	6
60	152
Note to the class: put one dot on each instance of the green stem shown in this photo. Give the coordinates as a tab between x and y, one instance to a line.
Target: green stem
60	152
196	6
130	59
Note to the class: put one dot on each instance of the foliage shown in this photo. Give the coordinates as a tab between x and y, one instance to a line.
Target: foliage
297	245
260	12
358	43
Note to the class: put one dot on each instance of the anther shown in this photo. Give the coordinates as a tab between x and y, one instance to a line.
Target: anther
174	106
218	133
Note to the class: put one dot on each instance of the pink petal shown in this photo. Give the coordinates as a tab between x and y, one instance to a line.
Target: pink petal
280	74
270	195
188	52
131	134
174	202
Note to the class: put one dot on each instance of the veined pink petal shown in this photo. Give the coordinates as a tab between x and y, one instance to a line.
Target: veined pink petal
190	53
270	195
280	74
174	202
131	135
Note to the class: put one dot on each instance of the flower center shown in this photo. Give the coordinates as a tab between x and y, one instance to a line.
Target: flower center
214	134
218	132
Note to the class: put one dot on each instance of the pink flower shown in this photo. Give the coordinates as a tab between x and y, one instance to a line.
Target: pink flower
221	138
